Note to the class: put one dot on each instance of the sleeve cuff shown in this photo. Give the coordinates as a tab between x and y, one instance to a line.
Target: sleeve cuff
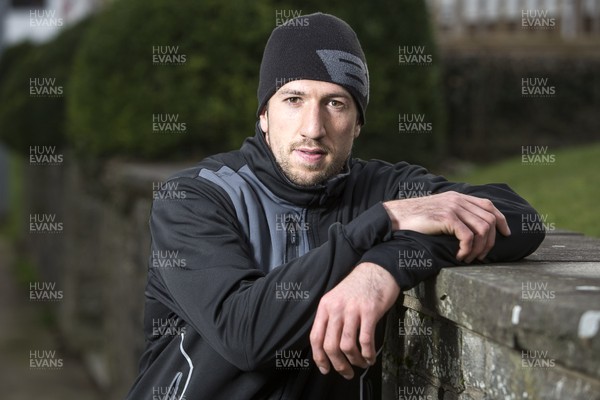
368	229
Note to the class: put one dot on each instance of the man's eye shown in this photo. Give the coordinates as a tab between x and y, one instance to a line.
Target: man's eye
293	100
336	104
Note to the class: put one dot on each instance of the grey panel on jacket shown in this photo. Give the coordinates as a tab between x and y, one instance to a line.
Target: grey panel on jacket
258	211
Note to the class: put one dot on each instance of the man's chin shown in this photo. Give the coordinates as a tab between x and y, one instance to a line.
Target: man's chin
308	178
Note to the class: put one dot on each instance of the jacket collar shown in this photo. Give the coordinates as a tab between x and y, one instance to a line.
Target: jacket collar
262	161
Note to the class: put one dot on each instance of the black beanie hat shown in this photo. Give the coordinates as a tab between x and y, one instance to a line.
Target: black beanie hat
318	47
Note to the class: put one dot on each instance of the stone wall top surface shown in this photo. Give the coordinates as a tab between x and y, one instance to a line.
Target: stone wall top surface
549	302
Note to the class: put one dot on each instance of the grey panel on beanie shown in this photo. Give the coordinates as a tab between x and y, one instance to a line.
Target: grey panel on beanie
321	48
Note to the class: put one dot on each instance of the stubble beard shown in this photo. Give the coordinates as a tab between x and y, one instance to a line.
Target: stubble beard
308	175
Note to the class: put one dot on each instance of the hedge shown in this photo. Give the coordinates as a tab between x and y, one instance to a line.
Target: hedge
208	83
27	120
489	119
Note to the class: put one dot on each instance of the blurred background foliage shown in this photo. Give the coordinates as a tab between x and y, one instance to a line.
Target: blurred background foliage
27	120
487	119
112	88
117	89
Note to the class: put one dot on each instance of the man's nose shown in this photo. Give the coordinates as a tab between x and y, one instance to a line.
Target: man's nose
312	122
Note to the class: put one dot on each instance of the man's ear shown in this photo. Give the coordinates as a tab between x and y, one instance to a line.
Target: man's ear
264	119
357	129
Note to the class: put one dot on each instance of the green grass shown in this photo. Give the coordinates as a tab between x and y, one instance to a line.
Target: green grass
568	190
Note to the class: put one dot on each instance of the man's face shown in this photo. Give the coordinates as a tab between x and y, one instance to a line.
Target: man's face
310	127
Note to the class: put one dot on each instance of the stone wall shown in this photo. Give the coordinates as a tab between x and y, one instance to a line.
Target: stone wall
468	334
98	260
526	330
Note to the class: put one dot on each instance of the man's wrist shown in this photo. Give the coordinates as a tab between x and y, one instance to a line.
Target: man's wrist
382	281
390	207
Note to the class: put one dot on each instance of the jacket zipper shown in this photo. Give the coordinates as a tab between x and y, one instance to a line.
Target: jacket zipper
292	238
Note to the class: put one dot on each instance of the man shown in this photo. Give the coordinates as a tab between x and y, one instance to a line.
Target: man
288	249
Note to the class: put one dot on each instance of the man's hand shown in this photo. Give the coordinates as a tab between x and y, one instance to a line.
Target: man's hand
347	315
472	220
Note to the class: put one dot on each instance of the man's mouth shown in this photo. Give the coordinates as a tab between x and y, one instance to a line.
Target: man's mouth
310	154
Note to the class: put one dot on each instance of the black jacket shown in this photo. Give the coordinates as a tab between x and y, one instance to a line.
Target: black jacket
241	257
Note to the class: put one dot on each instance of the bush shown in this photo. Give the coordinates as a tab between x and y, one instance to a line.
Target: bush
36	121
13	55
490	120
118	89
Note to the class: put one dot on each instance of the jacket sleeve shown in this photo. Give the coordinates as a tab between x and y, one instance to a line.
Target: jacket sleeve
217	288
412	257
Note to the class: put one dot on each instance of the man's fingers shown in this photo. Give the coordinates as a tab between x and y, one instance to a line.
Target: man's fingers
487	205
331	345
486	210
501	224
367	338
490	220
483	225
317	336
465	238
482	218
349	343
